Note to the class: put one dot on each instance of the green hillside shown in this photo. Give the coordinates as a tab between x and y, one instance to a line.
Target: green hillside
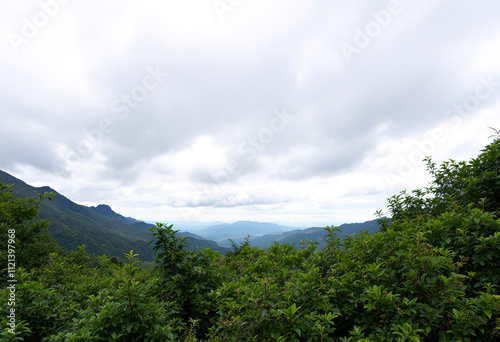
100	229
316	234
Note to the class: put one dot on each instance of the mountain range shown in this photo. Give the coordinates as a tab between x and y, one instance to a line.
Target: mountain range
316	234
99	228
222	233
103	231
264	234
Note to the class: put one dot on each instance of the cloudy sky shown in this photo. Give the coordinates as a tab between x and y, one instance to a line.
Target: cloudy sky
296	112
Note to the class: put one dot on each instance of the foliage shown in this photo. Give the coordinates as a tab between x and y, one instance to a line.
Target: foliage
126	310
237	249
29	235
275	295
475	182
187	277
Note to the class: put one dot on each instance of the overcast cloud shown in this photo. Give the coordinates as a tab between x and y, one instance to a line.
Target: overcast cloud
296	112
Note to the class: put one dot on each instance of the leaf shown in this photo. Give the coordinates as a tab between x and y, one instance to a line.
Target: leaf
486	298
488	313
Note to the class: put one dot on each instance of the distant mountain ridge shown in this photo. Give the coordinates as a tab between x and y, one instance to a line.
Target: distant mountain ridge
315	234
103	231
264	234
100	229
238	230
106	210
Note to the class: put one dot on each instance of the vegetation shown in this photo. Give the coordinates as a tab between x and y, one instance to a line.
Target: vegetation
21	214
430	274
100	229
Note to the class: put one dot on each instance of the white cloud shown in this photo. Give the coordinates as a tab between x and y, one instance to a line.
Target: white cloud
171	158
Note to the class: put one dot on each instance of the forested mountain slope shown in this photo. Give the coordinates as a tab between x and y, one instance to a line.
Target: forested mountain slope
316	234
99	228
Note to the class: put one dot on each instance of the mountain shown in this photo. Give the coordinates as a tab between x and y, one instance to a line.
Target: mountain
239	230
103	231
195	240
106	210
193	226
100	229
316	234
189	234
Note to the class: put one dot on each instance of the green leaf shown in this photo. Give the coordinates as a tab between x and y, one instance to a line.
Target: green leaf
488	313
486	298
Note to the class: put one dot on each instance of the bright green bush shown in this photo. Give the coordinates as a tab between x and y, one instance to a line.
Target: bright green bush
187	278
127	310
32	243
42	310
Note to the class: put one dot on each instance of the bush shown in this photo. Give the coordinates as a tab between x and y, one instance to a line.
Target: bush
188	278
29	236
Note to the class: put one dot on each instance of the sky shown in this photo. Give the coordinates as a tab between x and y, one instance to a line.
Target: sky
305	113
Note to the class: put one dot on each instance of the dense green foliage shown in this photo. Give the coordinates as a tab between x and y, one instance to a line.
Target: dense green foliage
188	276
21	215
431	274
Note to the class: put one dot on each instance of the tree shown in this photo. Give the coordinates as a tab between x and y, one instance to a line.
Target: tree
188	277
475	183
20	228
469	182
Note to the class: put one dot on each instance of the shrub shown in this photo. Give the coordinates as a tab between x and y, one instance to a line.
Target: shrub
188	278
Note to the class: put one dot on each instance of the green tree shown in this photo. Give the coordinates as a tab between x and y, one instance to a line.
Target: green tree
27	234
188	277
455	184
469	182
